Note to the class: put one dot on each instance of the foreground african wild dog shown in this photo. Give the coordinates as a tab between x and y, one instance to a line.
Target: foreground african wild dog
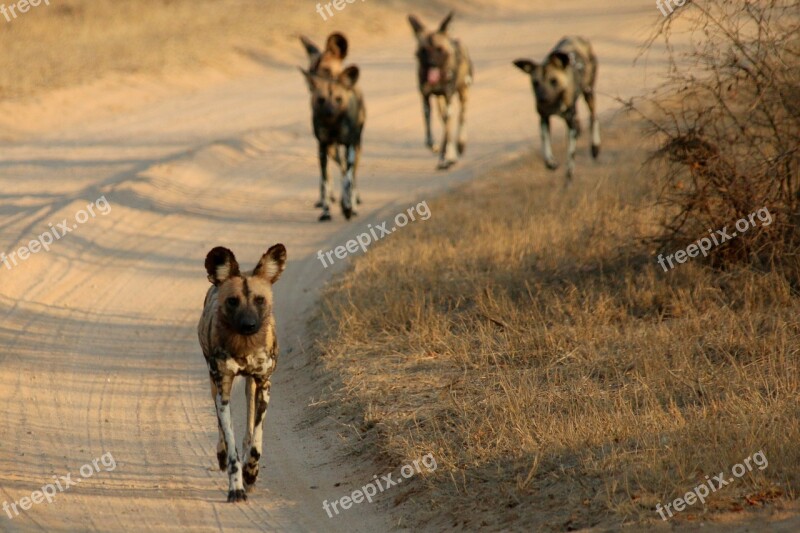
444	70
570	70
237	334
338	116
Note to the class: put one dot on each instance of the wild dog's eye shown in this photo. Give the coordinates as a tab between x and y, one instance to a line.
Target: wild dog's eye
553	83
232	302
338	99
260	300
321	101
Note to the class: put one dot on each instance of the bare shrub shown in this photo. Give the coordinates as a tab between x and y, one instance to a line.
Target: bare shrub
727	121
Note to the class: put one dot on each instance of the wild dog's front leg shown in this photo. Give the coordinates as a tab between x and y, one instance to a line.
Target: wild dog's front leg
572	136
324	185
349	182
261	396
223	403
426	111
447	153
547	150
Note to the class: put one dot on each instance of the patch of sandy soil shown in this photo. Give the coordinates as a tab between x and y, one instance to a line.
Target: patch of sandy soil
98	334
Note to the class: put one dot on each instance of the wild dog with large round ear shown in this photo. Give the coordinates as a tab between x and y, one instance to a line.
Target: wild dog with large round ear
444	70
339	114
237	335
569	71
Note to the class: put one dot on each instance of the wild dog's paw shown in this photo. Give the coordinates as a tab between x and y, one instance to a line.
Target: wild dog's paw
237	495
347	211
250	475
461	147
325	216
358	199
432	146
551	164
595	151
445	164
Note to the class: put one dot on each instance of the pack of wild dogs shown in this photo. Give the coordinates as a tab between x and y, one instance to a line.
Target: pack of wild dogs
237	327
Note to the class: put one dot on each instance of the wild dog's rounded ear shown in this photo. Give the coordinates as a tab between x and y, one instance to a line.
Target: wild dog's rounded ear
272	263
526	65
337	44
559	59
446	22
221	265
416	24
349	76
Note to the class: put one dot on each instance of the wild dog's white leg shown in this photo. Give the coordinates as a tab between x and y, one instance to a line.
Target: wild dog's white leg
463	96
447	152
254	454
348	182
324	185
547	150
223	403
426	111
222	450
595	124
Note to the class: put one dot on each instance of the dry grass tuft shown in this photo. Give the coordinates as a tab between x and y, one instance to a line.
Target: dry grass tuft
525	336
728	124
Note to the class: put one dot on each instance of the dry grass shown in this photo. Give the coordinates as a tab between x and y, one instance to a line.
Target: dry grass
526	337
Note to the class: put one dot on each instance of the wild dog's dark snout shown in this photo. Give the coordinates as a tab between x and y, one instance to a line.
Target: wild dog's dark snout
248	323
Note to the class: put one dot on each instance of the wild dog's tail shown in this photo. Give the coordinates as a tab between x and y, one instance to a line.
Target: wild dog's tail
337	45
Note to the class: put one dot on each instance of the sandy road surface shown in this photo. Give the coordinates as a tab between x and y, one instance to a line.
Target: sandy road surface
99	351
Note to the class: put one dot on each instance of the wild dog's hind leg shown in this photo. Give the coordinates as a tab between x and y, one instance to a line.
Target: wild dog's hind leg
261	396
223	403
250	389
463	95
595	125
222	450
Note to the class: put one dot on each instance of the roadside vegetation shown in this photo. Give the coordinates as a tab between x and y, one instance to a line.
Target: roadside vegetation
526	336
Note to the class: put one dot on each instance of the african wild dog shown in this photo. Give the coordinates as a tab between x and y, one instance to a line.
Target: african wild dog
328	62
237	334
570	70
444	70
338	118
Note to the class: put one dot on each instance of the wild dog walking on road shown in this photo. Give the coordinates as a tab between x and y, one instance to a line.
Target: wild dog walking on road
339	114
570	70
445	70
237	335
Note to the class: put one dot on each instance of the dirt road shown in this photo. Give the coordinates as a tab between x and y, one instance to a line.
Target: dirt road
99	350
